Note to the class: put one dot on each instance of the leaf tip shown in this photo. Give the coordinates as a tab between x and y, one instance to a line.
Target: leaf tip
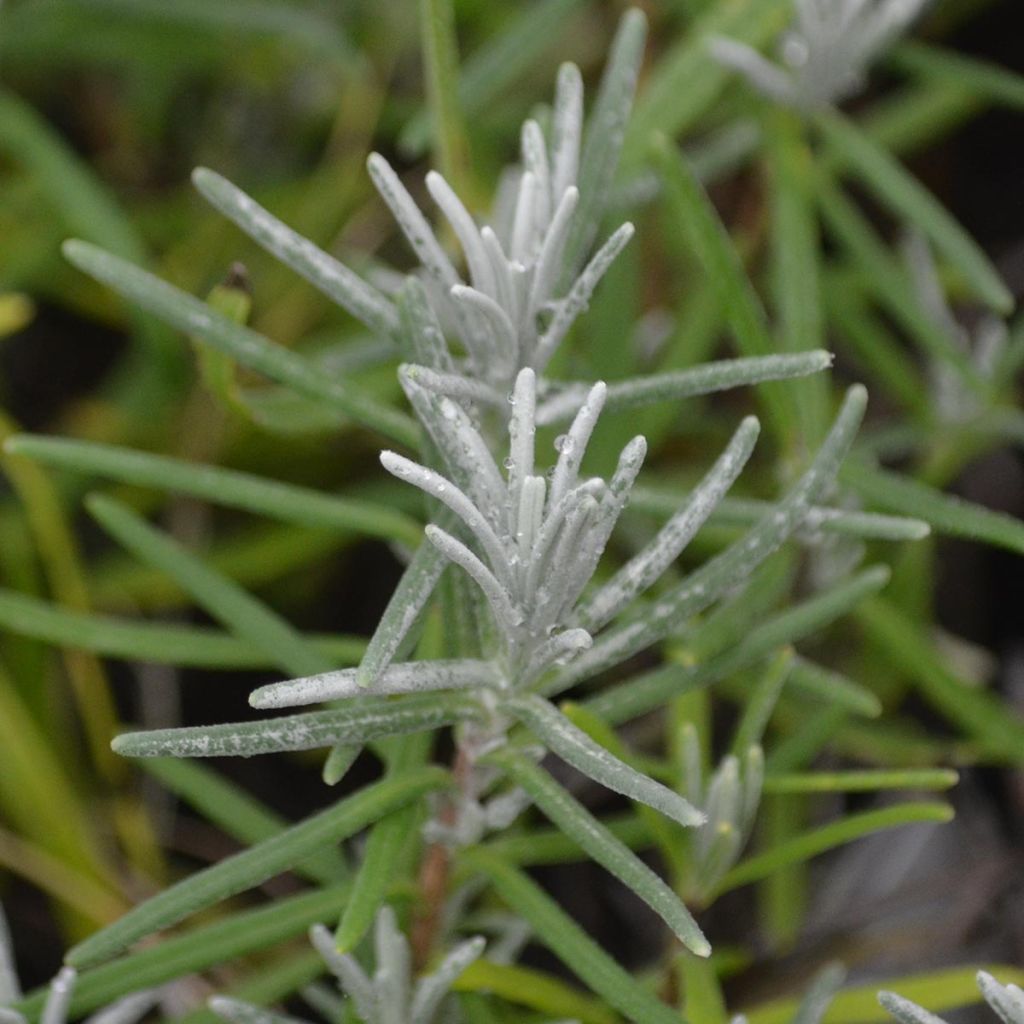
76	251
202	177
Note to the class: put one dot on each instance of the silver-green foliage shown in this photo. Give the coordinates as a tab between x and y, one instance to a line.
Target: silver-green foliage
528	540
522	541
826	52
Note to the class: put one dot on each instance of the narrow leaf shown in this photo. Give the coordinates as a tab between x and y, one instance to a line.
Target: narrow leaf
195	318
628	700
905	196
434	987
407	602
692	210
997	728
945	513
569	942
605	132
497	63
739	512
672	385
255	865
199	949
220	596
391	839
687	80
157	642
578	749
233	489
525	986
440	55
408	677
592	836
860	781
938	991
242	816
889	281
648	565
828	837
368	719
322	270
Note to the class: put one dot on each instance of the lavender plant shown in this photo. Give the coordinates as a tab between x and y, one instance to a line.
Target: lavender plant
538	610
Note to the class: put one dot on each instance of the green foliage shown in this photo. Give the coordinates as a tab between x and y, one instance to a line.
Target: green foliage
779	584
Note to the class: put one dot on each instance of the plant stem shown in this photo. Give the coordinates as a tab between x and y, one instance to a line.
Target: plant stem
435	870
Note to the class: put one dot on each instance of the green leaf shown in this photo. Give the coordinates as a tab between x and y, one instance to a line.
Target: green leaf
239	611
760	703
872	345
907	198
160	643
542	992
87	208
687	80
441	67
695	216
628	700
946	513
556	930
796	261
49	529
859	781
997	728
38	795
255	865
255	555
782	896
838	833
195	318
319	35
889	281
366	719
389	841
833	688
502	58
937	991
579	824
978	77
810	737
907	121
338	761
224	804
197	950
287	502
703	1000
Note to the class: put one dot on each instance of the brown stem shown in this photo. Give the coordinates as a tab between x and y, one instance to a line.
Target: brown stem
436	869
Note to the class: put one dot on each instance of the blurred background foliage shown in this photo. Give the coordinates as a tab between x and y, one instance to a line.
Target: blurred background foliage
105	108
